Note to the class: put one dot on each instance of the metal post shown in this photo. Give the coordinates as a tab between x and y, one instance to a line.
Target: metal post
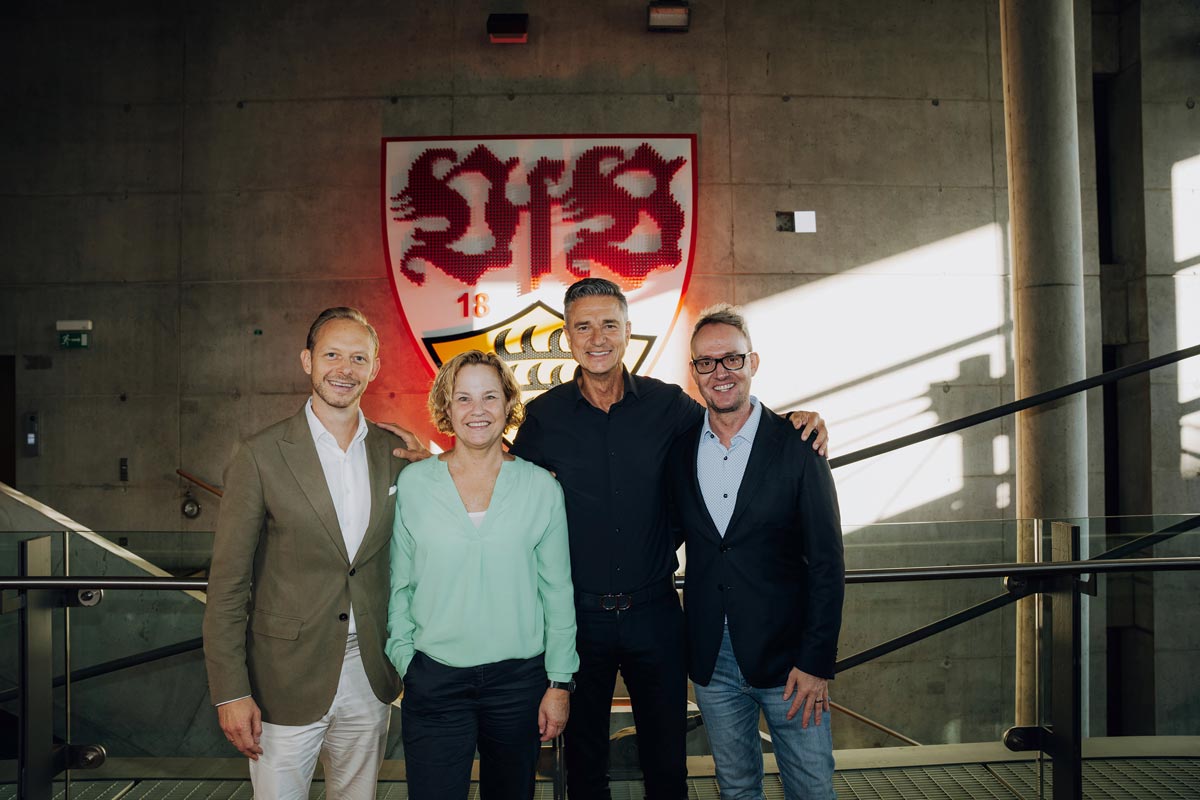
35	752
1062	737
1065	682
1029	539
39	757
560	769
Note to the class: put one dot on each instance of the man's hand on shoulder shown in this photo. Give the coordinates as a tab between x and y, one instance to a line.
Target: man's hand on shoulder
808	423
241	722
413	450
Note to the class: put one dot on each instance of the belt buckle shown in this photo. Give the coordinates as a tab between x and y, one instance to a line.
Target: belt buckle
616	602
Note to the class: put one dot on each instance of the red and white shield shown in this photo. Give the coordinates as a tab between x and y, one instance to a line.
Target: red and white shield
484	234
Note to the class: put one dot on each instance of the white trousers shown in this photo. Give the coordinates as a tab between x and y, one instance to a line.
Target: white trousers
349	740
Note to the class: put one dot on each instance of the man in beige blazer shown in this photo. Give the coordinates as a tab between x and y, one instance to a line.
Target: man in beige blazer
297	596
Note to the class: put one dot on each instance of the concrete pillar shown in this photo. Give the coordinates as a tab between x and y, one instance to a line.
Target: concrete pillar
1046	231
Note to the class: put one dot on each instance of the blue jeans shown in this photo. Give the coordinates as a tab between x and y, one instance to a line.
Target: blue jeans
730	706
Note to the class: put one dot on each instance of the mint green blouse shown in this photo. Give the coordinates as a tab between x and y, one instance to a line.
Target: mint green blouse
466	596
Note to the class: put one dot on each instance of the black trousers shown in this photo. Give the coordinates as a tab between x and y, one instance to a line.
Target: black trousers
646	644
449	712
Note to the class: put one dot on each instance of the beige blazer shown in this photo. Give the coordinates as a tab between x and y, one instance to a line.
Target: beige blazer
281	584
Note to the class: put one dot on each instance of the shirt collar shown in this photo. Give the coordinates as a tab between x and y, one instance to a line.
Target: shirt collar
746	432
631	384
318	429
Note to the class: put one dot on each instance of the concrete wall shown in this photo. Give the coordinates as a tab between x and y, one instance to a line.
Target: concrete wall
1170	68
201	179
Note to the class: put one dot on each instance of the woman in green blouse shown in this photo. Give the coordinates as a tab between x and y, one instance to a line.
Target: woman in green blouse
481	621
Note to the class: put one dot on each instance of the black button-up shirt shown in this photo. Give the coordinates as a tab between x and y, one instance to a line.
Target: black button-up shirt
611	466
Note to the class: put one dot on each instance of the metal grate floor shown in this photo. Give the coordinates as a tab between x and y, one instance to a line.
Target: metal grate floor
1103	779
1115	779
80	790
951	782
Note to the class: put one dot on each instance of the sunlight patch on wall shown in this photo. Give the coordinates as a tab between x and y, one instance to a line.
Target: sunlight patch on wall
924	476
1185	208
1187	326
888	348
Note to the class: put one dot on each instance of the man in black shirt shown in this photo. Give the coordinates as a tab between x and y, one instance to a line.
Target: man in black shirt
606	435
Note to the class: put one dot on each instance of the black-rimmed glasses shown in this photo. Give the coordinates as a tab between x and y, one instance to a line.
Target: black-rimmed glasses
732	361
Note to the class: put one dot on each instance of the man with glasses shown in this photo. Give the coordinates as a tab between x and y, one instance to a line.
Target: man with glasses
765	575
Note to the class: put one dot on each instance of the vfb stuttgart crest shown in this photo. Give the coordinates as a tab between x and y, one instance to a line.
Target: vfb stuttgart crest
483	236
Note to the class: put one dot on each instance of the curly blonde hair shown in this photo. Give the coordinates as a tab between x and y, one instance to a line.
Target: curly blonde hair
442	390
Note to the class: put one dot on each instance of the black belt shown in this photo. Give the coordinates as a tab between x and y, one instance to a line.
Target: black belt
623	601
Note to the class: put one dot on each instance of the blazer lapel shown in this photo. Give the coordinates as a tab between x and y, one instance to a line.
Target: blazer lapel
379	459
300	454
767	442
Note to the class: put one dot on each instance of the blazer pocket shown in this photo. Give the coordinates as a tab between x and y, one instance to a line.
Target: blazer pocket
265	623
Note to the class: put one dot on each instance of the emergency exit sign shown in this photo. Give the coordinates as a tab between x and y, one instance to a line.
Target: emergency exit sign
72	340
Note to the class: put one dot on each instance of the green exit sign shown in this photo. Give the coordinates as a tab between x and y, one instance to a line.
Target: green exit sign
71	340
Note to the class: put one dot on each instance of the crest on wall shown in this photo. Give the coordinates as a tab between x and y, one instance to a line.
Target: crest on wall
483	235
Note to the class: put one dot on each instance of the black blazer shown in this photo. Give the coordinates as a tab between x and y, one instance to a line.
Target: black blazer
778	574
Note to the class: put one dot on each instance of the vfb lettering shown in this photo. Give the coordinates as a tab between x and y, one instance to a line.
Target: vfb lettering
606	194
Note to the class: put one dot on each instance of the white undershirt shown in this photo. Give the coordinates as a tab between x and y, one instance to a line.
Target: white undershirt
477	517
349	482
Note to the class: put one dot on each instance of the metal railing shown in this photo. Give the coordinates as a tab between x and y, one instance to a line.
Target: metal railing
34	596
1048	396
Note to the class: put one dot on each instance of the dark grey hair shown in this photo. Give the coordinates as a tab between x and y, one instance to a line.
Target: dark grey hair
340	312
594	287
723	314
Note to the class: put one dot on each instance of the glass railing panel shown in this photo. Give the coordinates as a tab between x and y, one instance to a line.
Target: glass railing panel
1174	639
920	544
951	688
954	687
1099	535
1140	644
156	709
144	713
1145	636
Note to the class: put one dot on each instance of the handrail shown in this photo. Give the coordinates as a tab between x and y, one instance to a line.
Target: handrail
117	664
885	575
1015	406
925	631
870	723
1033	569
102	582
208	487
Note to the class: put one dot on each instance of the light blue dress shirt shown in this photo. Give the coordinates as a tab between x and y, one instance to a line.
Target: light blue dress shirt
719	470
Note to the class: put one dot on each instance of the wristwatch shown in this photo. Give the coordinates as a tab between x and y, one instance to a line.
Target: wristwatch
568	686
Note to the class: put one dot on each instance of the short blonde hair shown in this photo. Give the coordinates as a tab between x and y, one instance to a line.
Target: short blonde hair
723	314
442	390
340	312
